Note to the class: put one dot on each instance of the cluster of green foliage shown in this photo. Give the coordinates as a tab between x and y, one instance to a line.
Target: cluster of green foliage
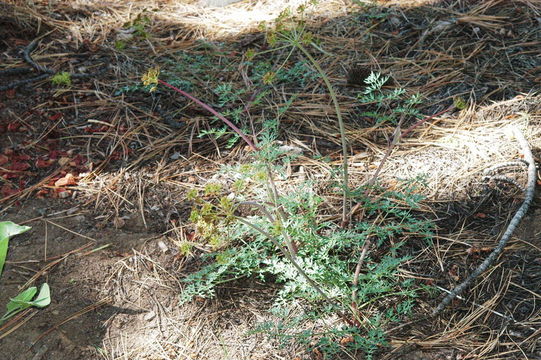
61	78
283	238
138	28
265	72
388	105
326	252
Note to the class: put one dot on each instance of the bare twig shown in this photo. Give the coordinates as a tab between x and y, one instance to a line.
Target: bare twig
399	135
530	187
343	138
358	271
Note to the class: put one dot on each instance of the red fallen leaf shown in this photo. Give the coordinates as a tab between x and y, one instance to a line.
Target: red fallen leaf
55	116
42	164
67	180
78	160
475	250
346	340
453	272
480	215
318	355
3	159
7	190
43	193
19	166
55	154
21	157
14	126
92	129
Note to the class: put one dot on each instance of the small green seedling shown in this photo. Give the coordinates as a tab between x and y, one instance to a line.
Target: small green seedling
24	299
61	78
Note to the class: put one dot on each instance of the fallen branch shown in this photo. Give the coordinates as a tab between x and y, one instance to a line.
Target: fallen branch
42	71
529	193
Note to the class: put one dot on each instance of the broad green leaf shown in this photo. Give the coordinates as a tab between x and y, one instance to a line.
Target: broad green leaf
7	230
23	301
44	297
3	252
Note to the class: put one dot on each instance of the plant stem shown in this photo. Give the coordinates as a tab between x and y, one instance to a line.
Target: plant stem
399	135
213	112
332	93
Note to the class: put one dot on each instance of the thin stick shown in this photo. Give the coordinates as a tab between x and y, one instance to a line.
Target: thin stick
343	138
399	135
530	187
357	273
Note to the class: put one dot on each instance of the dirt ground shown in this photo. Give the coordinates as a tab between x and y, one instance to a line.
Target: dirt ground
100	171
123	297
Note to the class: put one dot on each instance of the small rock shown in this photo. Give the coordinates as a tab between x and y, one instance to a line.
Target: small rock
162	246
79	218
72	211
149	316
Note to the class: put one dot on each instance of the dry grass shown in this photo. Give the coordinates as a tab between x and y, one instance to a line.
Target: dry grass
486	52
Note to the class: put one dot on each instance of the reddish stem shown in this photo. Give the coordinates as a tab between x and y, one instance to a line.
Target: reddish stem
213	112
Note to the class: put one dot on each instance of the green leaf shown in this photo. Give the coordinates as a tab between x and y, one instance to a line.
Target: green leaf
21	299
3	252
7	230
24	300
44	297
